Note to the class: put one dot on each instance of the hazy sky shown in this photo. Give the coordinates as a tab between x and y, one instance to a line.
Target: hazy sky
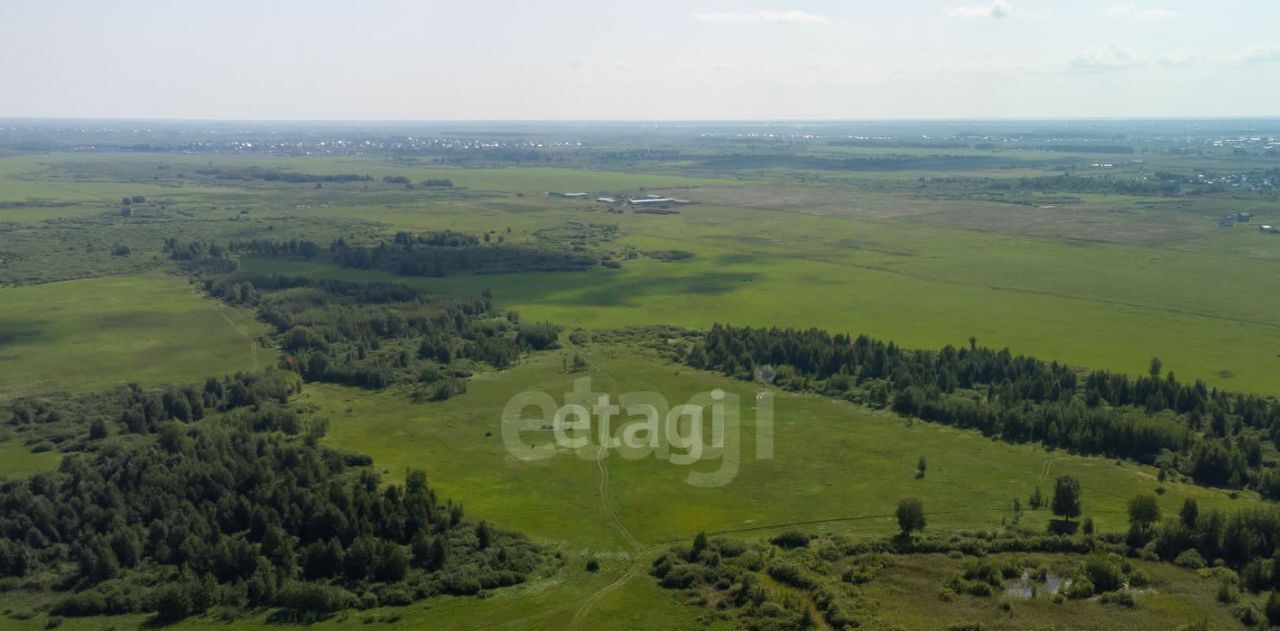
656	59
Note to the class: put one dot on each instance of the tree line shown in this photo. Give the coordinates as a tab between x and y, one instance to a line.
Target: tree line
442	253
1209	434
276	175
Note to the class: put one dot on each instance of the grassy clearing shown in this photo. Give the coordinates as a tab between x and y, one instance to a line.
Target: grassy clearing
833	461
92	334
16	460
837	468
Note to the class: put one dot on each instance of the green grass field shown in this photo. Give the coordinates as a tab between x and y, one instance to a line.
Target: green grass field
1100	305
1102	284
92	334
16	460
833	461
837	468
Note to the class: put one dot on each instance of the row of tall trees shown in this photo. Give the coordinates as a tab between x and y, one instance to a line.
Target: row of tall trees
433	253
1209	434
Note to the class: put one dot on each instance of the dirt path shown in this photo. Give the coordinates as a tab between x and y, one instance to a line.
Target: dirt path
220	309
639	552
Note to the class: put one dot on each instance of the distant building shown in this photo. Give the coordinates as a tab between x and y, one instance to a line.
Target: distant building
607	200
651	200
1267	228
1226	222
1243	217
571	195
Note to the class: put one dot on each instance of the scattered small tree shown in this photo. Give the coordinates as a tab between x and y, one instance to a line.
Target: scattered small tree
1190	513
1143	511
910	515
921	467
699	544
1066	497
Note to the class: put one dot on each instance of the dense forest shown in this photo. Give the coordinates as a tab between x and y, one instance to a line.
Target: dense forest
80	422
1215	437
374	335
241	512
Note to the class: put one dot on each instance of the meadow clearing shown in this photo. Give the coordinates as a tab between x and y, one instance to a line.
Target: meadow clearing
95	333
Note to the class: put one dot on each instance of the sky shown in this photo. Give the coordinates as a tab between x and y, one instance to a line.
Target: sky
650	60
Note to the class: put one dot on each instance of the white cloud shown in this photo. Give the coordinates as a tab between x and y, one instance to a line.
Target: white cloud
1105	58
996	9
762	17
1259	54
1114	57
1142	14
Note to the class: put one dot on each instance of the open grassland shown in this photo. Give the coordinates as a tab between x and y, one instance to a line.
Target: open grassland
836	468
92	334
16	460
1106	283
1207	314
833	461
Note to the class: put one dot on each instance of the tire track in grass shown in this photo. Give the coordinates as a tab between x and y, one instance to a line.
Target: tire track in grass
253	345
638	549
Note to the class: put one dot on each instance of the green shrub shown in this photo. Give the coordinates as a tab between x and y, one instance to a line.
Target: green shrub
1122	598
1190	559
789	574
1104	574
984	570
790	539
1080	588
1227	593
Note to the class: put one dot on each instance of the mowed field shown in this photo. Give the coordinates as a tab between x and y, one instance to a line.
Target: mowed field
92	334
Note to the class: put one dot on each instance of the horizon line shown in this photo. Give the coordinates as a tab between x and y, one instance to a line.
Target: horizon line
958	119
